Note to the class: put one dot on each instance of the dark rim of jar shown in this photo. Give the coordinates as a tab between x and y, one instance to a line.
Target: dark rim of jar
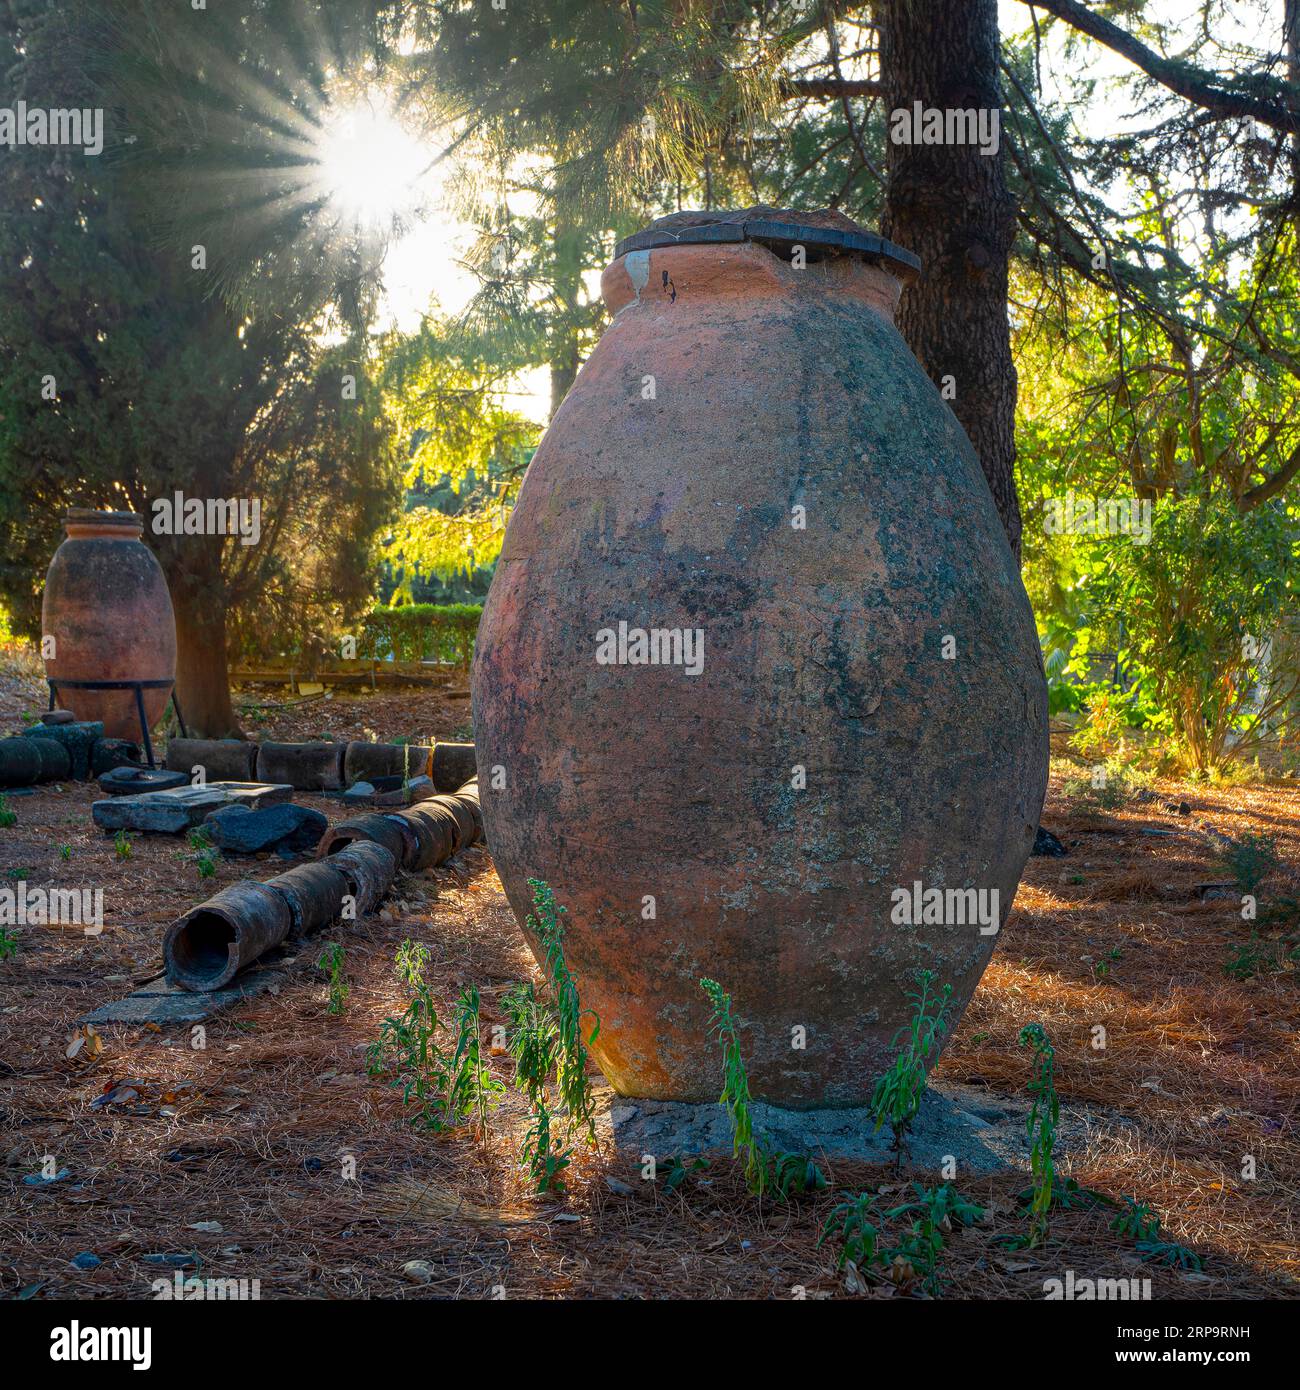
782	236
88	516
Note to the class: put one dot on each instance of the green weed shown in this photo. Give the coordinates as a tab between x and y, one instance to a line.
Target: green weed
897	1096
332	960
571	1059
8	816
1044	1116
122	845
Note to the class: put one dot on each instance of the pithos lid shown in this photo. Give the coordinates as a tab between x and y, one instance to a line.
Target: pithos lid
821	233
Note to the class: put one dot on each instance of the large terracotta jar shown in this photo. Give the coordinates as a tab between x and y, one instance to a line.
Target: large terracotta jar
753	458
107	608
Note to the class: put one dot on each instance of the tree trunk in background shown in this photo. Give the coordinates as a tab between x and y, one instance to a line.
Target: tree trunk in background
949	204
202	677
567	285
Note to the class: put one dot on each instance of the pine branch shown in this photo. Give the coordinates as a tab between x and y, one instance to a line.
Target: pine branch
1193	84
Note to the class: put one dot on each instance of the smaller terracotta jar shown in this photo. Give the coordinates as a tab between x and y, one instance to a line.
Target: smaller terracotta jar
108	610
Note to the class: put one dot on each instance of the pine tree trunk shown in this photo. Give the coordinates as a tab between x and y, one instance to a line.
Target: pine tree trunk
202	676
949	204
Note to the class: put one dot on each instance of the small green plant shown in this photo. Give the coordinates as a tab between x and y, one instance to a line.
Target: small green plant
1152	1250
1136	1220
1108	786
544	1159
571	1059
1044	1116
735	1089
533	1040
897	1096
934	1212
407	1045
411	960
471	1087
791	1173
8	944
853	1223
676	1172
65	852
206	863
8	816
1251	859
199	837
331	961
765	1170
122	845
1101	969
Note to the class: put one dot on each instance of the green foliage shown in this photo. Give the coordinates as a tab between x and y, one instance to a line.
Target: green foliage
8	816
934	1213
1101	969
931	1215
853	1223
1044	1116
735	1090
65	852
897	1096
1251	859
163	382
122	845
766	1170
199	838
421	632
206	863
574	1085
8	944
472	1090
410	962
533	1040
541	1155
1136	1220
1261	955
1108	787
332	961
408	1047
1168	1252
676	1171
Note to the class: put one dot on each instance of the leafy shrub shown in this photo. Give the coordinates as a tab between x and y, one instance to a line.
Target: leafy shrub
421	632
1251	859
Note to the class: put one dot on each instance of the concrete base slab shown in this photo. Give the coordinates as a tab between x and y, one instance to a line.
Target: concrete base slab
162	1003
983	1131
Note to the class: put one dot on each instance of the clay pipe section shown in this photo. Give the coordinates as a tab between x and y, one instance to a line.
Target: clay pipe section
207	947
363	762
420	837
308	767
24	761
369	869
452	766
222	759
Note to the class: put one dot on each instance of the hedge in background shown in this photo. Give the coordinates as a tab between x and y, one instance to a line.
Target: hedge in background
421	632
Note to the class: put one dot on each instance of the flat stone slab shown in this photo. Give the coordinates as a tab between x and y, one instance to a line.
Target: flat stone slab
983	1131
170	812
161	1003
284	826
